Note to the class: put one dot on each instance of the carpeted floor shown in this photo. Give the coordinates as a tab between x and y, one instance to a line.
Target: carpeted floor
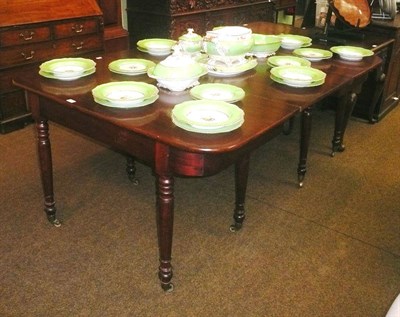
331	248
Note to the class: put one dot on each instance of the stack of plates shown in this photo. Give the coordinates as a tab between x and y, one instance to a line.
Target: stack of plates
221	92
275	61
130	66
313	54
351	53
207	116
156	46
298	76
67	68
292	41
125	94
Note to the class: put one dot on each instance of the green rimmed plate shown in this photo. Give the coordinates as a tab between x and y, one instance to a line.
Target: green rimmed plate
275	61
313	84
298	76
156	46
293	41
124	93
67	68
222	92
190	128
313	54
207	114
351	53
50	75
143	103
130	66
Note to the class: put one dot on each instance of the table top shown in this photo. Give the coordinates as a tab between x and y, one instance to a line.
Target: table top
266	105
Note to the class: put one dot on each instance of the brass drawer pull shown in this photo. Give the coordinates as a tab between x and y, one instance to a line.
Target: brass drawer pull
27	36
28	57
78	46
77	28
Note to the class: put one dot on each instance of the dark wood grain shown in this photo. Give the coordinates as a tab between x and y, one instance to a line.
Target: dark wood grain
149	135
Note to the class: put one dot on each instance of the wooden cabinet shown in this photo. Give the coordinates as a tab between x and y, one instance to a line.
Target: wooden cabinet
32	32
390	67
115	36
170	19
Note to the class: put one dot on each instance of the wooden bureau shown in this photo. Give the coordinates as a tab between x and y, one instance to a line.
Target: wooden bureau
384	29
172	18
32	32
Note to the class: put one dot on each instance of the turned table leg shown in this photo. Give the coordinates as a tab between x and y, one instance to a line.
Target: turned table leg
344	109
131	170
165	215
306	118
241	177
46	169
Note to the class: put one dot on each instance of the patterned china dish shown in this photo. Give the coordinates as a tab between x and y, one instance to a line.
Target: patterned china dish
265	45
216	91
124	94
298	76
221	69
275	61
351	53
207	116
292	41
130	66
177	72
67	68
313	54
156	46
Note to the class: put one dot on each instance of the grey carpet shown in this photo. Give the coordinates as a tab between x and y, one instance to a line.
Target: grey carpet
331	248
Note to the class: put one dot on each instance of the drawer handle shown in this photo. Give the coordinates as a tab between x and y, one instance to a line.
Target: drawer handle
78	46
77	28
28	57
27	36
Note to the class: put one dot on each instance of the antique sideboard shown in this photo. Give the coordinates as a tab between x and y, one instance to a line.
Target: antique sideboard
390	73
32	32
172	18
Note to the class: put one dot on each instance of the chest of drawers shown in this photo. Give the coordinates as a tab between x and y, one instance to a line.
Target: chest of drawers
33	32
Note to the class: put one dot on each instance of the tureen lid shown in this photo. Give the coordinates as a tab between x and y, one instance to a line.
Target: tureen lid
177	59
190	36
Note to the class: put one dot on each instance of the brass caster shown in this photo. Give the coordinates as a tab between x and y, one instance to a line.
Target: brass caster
54	221
235	227
134	180
168	288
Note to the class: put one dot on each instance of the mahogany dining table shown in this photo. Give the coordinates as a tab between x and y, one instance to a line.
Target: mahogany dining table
148	134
